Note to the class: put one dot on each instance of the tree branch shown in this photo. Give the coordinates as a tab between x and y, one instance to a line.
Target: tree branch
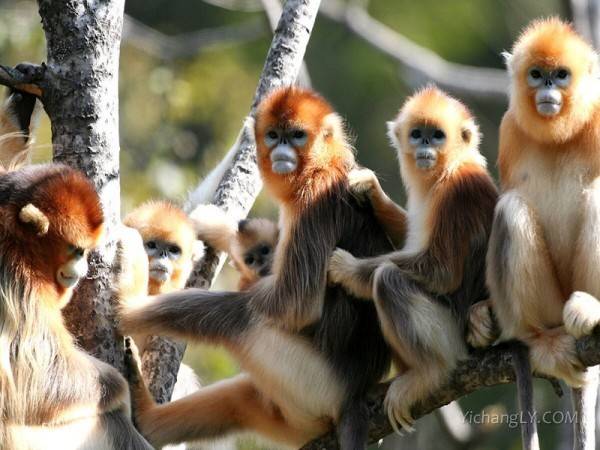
184	45
241	183
419	61
483	369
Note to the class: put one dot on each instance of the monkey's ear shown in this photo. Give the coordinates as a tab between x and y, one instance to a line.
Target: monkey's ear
470	133
333	125
32	216
391	133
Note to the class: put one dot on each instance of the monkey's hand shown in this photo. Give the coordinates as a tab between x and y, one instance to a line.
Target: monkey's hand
346	270
132	282
141	400
214	226
363	183
482	329
581	314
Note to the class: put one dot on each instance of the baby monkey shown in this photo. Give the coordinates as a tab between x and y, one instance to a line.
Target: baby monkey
250	243
423	291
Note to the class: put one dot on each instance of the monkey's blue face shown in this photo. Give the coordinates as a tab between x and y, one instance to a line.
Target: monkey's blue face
284	145
161	256
548	84
426	142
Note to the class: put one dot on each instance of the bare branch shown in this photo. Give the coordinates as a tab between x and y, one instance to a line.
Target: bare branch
420	61
485	368
241	182
185	45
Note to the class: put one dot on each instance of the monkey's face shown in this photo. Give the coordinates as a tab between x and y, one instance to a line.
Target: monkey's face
259	259
74	268
549	85
163	257
425	142
284	145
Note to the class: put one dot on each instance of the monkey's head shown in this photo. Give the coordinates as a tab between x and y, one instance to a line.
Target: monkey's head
301	143
170	242
50	219
431	132
254	248
554	80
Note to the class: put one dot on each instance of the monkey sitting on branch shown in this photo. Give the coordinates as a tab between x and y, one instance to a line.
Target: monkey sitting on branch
423	291
310	351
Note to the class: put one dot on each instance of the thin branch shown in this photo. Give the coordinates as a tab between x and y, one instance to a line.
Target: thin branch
420	61
484	369
165	47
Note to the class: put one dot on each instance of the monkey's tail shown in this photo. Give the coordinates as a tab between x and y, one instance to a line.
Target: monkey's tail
529	434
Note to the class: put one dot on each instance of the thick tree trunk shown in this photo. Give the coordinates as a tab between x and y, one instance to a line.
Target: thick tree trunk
80	95
241	183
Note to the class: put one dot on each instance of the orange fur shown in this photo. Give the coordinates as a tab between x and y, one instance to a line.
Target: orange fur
329	159
71	204
553	44
162	220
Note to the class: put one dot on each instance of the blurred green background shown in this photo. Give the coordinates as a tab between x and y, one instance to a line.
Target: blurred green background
181	110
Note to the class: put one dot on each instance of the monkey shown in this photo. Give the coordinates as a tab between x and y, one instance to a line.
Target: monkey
52	394
170	244
250	243
309	351
16	126
423	291
544	253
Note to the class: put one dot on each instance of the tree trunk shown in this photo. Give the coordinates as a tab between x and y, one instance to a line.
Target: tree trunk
80	95
241	184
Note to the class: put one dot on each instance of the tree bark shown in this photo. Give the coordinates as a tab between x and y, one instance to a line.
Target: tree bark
241	183
80	95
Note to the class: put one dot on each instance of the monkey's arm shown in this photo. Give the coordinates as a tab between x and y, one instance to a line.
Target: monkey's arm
15	123
214	227
390	215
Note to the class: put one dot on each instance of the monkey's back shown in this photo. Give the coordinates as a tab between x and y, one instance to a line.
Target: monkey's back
348	332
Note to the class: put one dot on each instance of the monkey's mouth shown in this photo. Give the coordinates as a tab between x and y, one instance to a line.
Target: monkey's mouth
159	274
425	158
67	281
283	159
549	107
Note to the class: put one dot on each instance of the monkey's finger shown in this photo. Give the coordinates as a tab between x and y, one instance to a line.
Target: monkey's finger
392	420
405	420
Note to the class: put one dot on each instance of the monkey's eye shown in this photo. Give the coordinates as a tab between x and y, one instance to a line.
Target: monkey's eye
272	134
562	74
265	250
299	137
535	74
415	133
439	135
151	245
174	250
299	134
249	260
76	251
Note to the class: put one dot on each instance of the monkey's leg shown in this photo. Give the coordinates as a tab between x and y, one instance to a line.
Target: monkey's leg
424	335
227	406
528	301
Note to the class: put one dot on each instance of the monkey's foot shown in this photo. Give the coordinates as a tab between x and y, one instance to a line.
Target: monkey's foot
554	353
482	330
581	314
362	182
397	405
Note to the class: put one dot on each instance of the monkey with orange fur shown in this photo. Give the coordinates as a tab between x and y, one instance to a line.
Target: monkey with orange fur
52	394
423	291
310	351
250	243
544	251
